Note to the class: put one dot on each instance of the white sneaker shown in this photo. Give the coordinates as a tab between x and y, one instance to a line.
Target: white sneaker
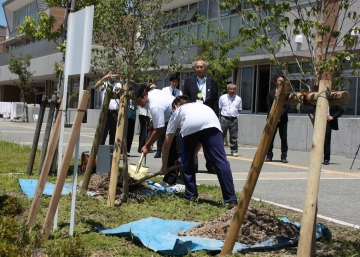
178	188
235	154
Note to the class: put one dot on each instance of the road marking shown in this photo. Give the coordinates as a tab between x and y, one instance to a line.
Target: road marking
298	167
319	216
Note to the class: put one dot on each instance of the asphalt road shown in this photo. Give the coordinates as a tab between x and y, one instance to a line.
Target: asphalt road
283	184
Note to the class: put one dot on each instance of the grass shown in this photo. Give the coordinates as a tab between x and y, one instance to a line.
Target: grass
92	212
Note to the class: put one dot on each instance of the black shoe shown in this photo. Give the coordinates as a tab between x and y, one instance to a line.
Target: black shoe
157	155
268	159
231	204
326	162
283	159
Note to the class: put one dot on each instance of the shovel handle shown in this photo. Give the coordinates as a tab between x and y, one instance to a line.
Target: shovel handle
139	163
154	175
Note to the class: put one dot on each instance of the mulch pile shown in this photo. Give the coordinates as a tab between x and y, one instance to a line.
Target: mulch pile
257	226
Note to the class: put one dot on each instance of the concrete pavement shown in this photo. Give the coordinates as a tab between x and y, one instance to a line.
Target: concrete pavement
281	183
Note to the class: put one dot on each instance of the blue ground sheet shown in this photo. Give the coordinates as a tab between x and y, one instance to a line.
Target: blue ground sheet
28	186
162	236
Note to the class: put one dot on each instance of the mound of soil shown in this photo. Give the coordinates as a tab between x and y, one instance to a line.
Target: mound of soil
257	226
99	184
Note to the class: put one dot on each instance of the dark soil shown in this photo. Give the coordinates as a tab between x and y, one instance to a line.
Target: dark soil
99	184
257	226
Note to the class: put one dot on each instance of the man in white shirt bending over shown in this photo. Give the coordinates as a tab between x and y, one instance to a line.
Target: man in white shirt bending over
159	104
230	105
198	124
174	91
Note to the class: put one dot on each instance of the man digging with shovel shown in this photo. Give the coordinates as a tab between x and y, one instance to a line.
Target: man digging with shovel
159	104
198	124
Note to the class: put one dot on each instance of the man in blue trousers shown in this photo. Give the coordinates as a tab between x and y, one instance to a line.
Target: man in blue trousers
198	124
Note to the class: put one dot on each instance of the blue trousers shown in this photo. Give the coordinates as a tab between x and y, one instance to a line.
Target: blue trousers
213	146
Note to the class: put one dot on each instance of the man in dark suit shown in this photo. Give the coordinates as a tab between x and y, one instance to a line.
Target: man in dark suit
282	123
203	90
332	124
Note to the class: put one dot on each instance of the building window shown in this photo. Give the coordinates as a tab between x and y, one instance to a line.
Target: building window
246	85
28	10
351	85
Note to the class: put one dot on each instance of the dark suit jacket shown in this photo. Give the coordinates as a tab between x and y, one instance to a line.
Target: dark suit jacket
212	97
269	101
336	111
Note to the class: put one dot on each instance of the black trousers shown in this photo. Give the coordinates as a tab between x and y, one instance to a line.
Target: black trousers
130	134
110	127
144	122
327	143
160	141
283	137
173	177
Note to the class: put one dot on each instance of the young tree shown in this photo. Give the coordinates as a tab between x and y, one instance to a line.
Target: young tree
133	31
21	67
330	31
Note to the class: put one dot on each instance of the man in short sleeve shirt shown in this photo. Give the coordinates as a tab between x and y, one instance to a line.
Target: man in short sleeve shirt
198	124
159	104
230	105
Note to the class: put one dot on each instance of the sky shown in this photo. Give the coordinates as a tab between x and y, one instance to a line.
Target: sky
2	15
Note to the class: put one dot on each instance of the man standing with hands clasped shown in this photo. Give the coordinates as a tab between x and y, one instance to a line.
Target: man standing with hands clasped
334	112
203	90
230	105
282	123
109	85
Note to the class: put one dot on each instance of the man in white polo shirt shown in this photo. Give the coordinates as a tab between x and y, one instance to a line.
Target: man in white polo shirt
198	124
230	105
174	91
159	104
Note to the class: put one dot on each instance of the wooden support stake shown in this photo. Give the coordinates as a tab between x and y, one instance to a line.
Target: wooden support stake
47	134
121	132
95	146
37	135
44	171
255	168
75	132
313	179
335	98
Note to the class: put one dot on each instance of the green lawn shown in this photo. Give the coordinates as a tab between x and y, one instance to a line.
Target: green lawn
90	211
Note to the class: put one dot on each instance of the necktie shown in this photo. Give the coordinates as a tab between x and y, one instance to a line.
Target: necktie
173	93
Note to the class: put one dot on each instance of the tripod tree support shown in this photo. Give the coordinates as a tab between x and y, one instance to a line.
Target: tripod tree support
317	150
44	171
46	137
121	131
255	168
75	132
37	135
96	141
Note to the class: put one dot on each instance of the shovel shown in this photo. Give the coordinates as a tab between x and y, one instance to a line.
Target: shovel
154	175
138	171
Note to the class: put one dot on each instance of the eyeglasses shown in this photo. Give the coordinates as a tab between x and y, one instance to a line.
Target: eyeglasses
199	67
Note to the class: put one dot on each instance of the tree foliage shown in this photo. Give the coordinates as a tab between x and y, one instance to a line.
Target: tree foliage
215	50
132	32
21	67
330	30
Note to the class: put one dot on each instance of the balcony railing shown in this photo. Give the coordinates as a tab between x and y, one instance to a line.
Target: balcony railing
35	49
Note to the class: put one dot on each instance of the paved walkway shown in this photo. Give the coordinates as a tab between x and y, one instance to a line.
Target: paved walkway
281	183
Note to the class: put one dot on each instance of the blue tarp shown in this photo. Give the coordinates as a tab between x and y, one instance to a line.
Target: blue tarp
28	186
162	236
